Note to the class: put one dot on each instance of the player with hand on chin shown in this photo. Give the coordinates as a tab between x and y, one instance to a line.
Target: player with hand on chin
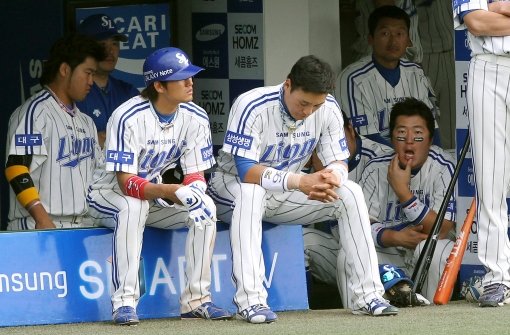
272	132
52	148
405	190
146	136
488	102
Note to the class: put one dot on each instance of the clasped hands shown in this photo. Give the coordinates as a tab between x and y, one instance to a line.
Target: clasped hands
320	186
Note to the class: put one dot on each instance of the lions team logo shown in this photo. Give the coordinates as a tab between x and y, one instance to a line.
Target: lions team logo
182	59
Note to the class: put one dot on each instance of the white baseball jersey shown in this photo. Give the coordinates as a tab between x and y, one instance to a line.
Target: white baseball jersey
436	33
366	150
261	129
429	184
150	150
365	7
488	102
367	96
139	143
496	45
64	150
272	138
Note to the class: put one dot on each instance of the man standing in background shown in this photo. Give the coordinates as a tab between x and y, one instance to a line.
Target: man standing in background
108	92
488	101
436	35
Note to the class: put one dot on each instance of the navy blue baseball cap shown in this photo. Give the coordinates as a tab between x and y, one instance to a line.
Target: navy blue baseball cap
168	64
391	275
100	27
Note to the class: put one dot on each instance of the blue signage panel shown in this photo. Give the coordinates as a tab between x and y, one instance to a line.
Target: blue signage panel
210	44
148	29
65	275
462	51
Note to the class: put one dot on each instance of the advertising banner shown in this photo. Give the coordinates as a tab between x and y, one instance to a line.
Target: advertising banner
64	276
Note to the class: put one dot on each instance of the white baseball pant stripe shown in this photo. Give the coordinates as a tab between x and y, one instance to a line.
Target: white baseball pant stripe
131	218
488	100
254	204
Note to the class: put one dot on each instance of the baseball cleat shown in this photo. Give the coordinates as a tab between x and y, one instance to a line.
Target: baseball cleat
125	316
377	307
494	295
207	311
258	314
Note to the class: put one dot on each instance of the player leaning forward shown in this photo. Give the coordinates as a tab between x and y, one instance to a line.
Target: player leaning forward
146	136
272	132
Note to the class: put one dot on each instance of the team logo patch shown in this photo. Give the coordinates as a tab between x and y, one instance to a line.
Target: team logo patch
119	157
343	144
238	140
359	120
207	153
28	140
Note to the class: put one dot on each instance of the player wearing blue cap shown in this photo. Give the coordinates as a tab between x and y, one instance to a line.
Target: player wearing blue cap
146	136
108	92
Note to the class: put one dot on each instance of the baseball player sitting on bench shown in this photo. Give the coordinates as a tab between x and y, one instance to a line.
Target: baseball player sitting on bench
108	92
372	85
404	191
321	247
271	134
414	51
146	136
52	147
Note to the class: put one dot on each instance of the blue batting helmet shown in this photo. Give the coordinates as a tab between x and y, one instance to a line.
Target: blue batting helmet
168	64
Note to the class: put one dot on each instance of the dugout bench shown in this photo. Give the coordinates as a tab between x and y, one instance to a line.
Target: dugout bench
63	276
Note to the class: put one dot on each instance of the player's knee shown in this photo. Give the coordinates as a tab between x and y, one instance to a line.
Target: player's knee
252	191
350	193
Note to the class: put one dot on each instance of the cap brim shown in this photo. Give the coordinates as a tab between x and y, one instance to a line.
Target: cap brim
394	281
106	35
186	73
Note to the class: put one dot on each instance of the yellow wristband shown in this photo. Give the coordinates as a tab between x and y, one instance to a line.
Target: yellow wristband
27	196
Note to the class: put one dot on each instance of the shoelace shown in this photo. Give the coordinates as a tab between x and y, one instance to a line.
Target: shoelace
256	309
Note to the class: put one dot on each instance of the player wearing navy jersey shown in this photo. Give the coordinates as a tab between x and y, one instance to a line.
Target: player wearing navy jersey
371	86
436	34
108	92
404	191
321	247
146	136
271	134
488	101
52	148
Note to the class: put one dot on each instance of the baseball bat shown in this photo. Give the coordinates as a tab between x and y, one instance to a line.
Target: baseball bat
452	267
422	266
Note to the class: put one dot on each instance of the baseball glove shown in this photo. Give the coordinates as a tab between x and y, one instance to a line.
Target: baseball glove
401	295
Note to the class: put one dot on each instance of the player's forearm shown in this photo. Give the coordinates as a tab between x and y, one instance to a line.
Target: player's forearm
146	190
487	23
500	7
254	173
41	217
428	223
